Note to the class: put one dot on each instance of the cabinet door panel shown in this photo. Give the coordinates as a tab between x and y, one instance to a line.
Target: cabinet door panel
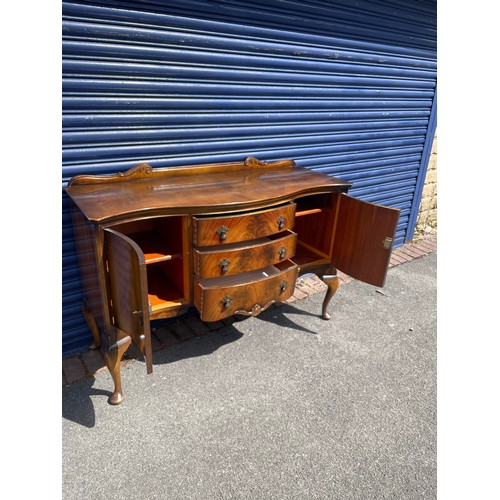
363	239
127	284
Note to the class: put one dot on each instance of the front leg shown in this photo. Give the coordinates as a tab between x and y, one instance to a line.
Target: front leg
113	357
332	282
327	273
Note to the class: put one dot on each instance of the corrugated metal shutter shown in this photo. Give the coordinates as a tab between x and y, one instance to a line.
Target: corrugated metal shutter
344	88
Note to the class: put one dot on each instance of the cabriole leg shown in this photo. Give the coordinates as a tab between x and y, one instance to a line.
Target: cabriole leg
327	273
113	359
332	282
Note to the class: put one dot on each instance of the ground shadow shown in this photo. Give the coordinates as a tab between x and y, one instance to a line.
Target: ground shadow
277	315
77	404
198	346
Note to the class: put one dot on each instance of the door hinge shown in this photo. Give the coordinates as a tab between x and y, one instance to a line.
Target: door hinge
141	316
387	243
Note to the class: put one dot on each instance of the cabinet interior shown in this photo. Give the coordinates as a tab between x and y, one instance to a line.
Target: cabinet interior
160	240
314	223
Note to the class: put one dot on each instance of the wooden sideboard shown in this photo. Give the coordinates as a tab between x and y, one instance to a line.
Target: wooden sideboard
229	238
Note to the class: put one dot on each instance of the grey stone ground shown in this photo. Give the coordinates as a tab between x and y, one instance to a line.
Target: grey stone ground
281	406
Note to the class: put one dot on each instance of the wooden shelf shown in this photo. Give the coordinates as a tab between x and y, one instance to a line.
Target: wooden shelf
309	212
309	252
154	247
154	257
165	298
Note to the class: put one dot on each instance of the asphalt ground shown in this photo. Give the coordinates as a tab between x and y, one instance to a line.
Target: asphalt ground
281	406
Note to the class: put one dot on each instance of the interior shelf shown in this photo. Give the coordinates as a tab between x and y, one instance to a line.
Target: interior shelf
307	253
163	294
310	211
154	248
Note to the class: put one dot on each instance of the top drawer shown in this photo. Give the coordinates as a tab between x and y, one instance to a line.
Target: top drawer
243	227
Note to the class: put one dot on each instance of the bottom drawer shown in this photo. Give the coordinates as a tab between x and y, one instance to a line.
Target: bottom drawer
247	293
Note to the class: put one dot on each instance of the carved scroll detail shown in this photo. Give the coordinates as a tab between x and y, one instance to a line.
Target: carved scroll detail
142	168
138	172
252	162
256	309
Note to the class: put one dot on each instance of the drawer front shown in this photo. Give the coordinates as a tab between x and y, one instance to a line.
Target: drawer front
225	260
249	294
235	228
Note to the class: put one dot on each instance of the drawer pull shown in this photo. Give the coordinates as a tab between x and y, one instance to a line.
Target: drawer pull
283	285
224	264
281	223
282	252
226	301
221	232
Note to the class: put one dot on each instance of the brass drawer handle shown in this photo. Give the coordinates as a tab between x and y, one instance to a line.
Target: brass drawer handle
282	252
224	264
283	285
281	223
221	232
226	301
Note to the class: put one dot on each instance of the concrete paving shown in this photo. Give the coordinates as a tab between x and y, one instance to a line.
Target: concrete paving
281	406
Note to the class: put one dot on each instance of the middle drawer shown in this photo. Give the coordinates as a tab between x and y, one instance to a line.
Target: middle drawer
225	260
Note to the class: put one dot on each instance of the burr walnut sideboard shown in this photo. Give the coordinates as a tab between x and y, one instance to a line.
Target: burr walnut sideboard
229	238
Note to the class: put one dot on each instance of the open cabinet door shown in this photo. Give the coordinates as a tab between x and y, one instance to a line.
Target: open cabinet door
127	288
363	239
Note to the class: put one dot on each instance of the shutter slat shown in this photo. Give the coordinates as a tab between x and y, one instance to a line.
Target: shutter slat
342	88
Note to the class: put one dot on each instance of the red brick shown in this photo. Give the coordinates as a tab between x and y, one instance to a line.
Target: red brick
93	361
197	326
214	325
155	343
425	247
397	258
410	252
181	330
431	240
299	294
401	255
166	338
133	352
428	246
344	281
73	369
316	284
343	278
417	249
305	287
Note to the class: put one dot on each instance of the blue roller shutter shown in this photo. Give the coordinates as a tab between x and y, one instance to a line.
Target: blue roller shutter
344	88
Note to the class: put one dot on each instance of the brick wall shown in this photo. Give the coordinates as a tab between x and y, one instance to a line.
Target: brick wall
427	216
